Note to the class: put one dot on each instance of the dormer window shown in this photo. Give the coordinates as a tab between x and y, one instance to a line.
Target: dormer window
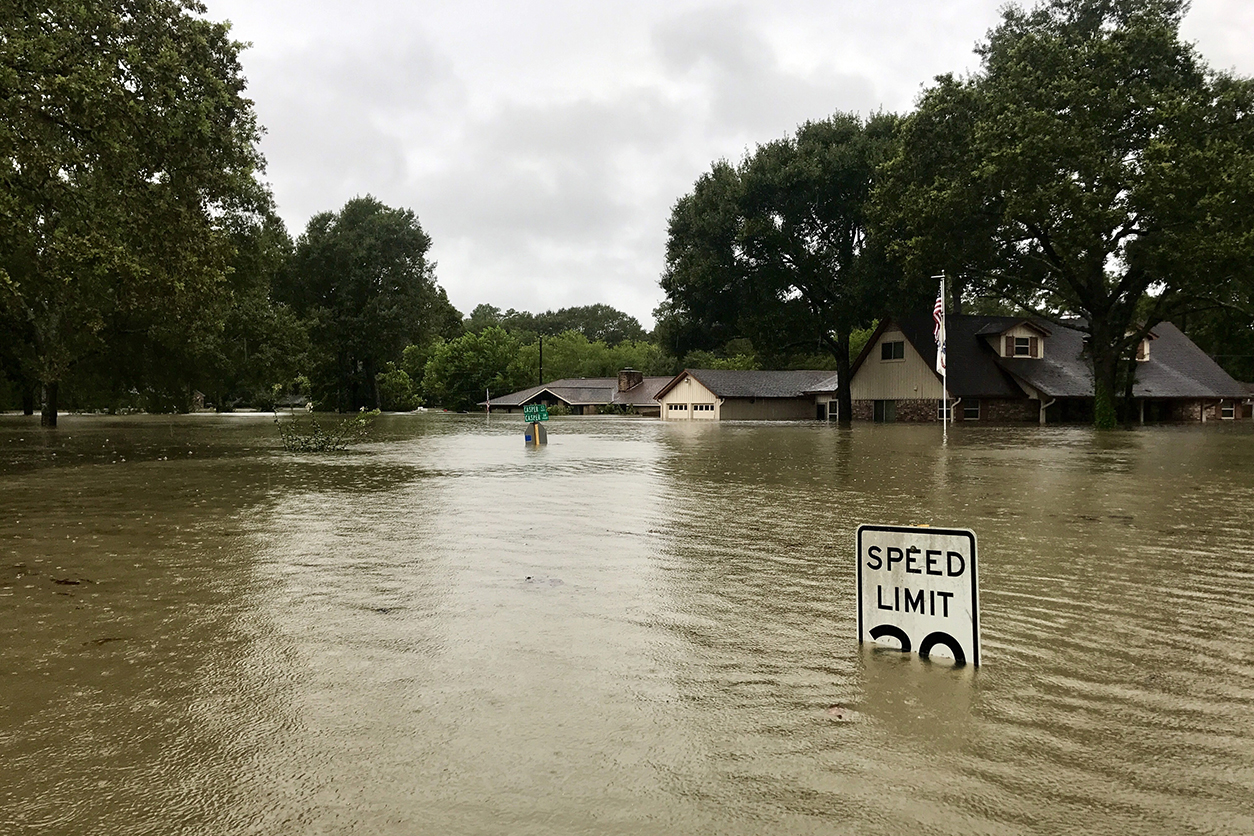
1142	350
1022	346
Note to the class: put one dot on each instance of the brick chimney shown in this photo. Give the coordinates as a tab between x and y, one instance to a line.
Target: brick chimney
629	379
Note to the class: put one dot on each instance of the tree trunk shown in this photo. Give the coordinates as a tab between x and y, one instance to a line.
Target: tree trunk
28	400
1129	384
1105	379
48	417
957	288
844	400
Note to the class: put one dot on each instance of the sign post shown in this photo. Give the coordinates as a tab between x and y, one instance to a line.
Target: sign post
533	414
918	585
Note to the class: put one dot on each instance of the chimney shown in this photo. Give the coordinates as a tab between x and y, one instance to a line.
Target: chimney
629	379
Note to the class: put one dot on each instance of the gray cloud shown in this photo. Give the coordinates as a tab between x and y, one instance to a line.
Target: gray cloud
542	146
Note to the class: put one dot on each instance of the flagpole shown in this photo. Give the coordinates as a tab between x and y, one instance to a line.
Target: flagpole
945	373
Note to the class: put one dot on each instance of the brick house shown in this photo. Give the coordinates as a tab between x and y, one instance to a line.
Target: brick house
1020	370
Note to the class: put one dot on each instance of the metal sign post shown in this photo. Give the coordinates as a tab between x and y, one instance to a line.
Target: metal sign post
917	586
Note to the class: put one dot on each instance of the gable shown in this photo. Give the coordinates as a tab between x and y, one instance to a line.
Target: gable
882	376
686	389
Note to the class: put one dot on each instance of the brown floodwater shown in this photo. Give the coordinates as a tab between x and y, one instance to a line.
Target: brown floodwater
642	628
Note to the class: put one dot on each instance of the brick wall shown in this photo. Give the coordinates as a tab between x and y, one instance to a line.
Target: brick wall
917	411
1005	411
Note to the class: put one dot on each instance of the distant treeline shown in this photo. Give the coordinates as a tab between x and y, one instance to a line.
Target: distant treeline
1093	167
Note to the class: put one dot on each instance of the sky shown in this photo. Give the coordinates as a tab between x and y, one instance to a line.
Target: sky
543	144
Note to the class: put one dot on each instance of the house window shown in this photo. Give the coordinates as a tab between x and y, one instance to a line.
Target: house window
703	407
1023	347
1142	350
944	410
677	407
971	411
885	412
1228	410
895	350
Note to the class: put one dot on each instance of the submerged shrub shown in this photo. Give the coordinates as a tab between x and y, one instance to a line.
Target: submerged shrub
310	437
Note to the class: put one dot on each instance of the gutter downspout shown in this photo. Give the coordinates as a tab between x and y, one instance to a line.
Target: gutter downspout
952	407
1045	406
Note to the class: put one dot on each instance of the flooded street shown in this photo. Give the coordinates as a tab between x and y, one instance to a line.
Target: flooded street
642	628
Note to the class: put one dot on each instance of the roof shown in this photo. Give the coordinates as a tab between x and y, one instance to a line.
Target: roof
973	370
734	383
997	326
585	391
825	386
1176	367
642	394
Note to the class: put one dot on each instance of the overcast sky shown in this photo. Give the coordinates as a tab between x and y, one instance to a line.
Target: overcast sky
542	144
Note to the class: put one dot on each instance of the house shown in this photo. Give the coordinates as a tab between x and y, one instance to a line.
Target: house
588	395
1020	369
732	395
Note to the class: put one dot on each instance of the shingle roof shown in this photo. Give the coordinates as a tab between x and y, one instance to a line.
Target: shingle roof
1176	367
584	391
642	394
826	386
973	371
733	383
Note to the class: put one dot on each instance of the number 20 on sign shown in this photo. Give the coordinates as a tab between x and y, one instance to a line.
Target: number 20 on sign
917	586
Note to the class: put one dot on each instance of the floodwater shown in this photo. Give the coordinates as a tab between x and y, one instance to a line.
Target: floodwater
641	628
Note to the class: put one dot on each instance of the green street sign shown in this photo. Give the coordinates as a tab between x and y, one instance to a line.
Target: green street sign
534	412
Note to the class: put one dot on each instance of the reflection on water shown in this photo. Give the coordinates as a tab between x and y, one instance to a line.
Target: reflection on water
640	628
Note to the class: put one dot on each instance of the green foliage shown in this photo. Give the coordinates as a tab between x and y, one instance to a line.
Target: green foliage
858	338
308	436
571	354
708	360
362	278
599	323
128	149
460	370
397	391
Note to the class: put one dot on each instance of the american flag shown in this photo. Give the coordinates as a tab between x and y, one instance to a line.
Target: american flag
938	328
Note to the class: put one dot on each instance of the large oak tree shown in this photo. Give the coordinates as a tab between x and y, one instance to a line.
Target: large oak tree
125	143
1092	167
778	249
363	279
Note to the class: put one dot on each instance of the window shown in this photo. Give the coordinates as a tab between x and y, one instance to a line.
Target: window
885	412
895	350
1022	347
677	407
971	411
703	407
944	410
1228	410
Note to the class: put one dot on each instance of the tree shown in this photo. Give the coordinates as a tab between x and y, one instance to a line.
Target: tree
263	344
125	144
461	370
1098	169
362	277
778	250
